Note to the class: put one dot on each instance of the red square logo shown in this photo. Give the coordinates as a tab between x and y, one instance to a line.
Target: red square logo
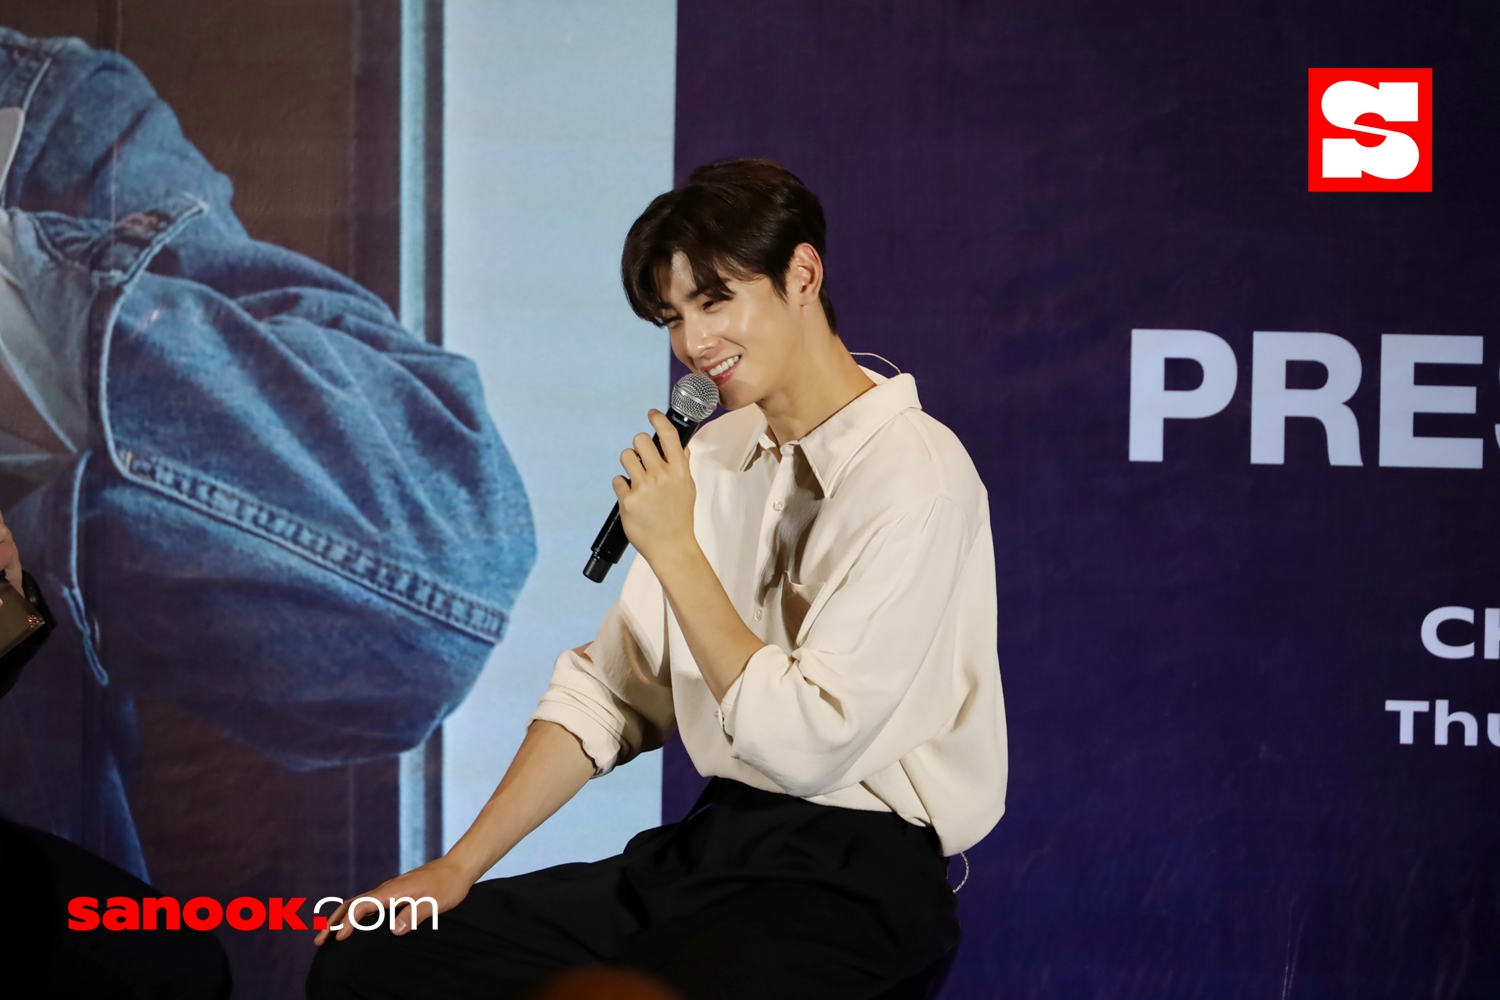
1369	130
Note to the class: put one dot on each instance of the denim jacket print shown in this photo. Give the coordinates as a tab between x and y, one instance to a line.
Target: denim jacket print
282	511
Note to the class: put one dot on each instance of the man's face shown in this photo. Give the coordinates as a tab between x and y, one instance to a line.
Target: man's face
744	341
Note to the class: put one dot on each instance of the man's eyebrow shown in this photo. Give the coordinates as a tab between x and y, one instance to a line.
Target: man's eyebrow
663	308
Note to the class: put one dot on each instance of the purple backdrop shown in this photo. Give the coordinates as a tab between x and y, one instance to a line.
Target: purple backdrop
1208	798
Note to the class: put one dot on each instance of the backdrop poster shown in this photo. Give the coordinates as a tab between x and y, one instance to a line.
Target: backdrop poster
286	307
1212	794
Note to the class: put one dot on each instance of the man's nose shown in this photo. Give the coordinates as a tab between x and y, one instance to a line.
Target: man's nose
698	341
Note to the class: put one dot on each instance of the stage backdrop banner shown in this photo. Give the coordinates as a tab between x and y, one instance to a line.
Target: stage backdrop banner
314	372
1240	441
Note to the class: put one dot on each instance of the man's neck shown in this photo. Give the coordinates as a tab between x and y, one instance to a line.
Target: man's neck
828	381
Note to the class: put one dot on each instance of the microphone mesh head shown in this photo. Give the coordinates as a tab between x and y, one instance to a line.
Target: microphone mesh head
695	396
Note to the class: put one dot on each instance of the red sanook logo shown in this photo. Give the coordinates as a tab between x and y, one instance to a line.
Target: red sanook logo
1369	130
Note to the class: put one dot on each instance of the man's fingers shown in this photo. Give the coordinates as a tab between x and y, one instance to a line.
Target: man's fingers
630	461
352	912
334	920
666	432
646	448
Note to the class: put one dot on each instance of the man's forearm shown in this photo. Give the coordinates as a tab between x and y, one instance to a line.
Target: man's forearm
548	770
715	633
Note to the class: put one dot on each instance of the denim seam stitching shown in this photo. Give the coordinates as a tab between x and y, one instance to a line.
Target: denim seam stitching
118	277
40	62
158	241
381	575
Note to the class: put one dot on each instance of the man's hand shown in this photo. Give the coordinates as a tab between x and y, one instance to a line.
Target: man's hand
548	770
657	498
442	879
10	558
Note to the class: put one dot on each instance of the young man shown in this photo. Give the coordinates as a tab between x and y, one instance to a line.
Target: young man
814	609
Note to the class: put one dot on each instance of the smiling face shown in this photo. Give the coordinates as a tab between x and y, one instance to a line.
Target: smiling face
747	338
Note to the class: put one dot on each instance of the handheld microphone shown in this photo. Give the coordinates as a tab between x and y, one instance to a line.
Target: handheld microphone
693	399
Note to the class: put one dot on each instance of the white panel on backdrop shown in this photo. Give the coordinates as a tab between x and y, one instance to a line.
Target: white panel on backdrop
558	132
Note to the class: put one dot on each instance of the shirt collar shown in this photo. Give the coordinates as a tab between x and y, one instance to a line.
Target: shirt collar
829	446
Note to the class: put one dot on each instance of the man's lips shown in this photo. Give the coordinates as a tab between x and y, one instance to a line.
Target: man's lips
724	370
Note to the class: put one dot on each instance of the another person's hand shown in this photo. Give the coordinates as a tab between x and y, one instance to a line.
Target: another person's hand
10	558
657	498
443	880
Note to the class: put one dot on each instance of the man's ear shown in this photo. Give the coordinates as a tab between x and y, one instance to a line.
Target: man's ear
804	275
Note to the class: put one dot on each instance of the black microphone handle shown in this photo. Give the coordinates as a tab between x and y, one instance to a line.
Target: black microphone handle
610	544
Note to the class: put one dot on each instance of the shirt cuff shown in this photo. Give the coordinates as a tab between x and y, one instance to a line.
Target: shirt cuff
599	741
729	706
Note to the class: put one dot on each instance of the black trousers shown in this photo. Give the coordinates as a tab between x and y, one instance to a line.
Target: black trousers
47	960
754	895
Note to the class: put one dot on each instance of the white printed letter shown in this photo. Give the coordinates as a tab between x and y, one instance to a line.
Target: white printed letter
1271	402
1438	647
379	910
412	919
1401	399
1442	719
1152	403
1408	710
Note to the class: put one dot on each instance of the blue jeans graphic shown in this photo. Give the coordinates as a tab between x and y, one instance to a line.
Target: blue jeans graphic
283	512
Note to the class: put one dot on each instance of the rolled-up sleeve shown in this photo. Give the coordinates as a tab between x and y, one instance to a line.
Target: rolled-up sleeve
615	694
806	718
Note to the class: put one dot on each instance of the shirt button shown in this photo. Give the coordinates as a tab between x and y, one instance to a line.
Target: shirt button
758	613
777	505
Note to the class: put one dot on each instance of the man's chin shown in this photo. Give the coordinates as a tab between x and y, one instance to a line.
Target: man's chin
735	400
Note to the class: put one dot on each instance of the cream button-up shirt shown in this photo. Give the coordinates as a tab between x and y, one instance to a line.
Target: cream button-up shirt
862	557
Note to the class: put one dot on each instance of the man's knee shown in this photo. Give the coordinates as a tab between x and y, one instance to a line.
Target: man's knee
332	971
356	967
201	969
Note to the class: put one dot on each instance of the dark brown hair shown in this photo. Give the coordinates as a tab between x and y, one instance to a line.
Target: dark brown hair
732	219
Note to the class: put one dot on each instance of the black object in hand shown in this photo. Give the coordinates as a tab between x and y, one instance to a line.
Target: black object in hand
693	399
18	619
